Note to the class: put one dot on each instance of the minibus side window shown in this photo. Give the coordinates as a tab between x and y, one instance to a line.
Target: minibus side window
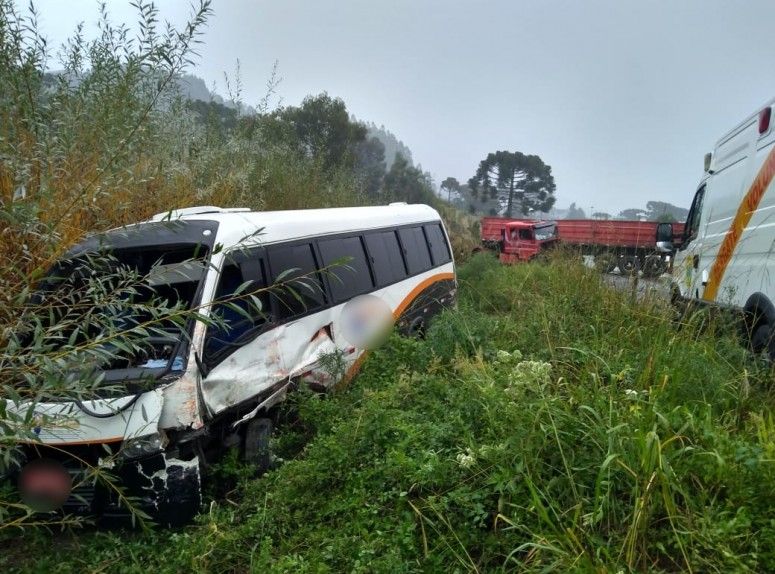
386	259
693	219
438	244
418	258
239	314
346	267
299	291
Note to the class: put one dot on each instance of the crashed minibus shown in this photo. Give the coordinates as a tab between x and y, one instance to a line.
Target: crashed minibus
215	386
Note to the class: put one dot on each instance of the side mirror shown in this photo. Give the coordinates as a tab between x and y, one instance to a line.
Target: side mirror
665	237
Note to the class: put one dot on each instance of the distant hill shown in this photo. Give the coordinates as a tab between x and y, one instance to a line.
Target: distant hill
194	88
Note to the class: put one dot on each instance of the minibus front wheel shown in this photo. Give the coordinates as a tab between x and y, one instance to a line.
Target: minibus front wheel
257	450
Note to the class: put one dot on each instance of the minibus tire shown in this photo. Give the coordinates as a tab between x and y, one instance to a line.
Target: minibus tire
257	450
417	328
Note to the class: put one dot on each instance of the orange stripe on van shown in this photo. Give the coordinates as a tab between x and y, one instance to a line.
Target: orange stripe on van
413	294
744	213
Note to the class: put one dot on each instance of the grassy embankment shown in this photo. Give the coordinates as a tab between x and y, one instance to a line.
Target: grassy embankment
546	425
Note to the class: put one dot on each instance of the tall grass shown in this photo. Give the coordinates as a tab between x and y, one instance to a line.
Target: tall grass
548	424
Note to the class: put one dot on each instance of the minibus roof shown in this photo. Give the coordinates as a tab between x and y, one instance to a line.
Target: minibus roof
236	225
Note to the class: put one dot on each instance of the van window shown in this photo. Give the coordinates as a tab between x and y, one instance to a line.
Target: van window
693	219
240	314
346	266
301	290
386	257
418	258
438	244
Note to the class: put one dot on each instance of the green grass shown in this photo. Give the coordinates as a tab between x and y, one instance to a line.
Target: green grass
547	424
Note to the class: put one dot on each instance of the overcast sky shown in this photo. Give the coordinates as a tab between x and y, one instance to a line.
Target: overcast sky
622	98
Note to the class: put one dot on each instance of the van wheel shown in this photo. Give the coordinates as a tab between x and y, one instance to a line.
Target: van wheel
762	340
257	451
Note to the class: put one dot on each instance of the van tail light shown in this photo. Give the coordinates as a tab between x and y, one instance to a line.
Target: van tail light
764	119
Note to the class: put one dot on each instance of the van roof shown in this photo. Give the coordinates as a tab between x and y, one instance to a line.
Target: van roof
237	224
732	146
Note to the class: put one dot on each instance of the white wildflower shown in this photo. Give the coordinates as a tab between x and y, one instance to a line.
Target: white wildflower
466	459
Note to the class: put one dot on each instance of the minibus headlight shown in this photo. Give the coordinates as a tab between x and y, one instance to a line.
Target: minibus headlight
143	446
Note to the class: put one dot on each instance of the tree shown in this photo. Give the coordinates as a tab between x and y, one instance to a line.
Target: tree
634	214
575	212
370	164
661	211
514	177
450	185
405	182
320	128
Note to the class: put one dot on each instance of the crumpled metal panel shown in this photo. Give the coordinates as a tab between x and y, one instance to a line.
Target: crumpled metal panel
280	354
182	407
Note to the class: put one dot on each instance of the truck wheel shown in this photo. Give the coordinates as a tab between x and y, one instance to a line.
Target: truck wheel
256	451
629	264
605	262
654	266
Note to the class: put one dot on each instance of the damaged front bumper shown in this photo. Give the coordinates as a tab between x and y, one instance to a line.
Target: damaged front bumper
164	486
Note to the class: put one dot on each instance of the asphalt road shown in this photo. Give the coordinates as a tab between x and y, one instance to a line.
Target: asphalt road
646	287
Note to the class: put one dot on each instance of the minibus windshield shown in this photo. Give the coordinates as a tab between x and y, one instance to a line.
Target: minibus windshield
136	300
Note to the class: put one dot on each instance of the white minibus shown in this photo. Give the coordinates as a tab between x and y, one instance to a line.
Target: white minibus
276	287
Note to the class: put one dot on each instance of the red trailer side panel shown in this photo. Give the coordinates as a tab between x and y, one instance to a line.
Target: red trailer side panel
610	233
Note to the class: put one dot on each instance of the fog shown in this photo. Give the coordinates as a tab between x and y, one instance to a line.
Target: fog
621	98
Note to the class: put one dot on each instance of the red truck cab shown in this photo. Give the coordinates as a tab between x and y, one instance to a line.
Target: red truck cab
523	240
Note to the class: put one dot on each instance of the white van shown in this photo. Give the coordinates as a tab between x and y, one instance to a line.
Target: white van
215	388
726	256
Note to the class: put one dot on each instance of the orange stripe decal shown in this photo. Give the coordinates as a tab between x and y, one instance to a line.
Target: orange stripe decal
419	289
73	442
744	213
356	366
